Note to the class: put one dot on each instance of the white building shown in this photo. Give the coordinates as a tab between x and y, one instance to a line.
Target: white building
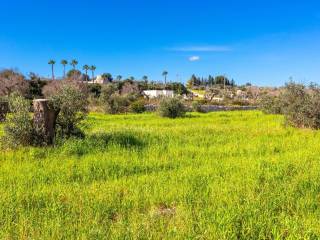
158	93
99	79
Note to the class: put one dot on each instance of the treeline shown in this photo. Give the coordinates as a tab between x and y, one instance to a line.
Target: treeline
33	86
195	81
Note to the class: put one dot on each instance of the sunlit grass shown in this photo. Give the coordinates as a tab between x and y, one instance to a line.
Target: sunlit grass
225	175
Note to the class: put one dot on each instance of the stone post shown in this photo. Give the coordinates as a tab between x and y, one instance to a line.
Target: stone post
44	120
4	109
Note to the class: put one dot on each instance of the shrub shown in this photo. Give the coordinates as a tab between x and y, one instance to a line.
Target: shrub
296	104
117	104
270	104
95	89
12	81
300	105
240	102
138	106
4	109
70	99
18	129
107	91
196	107
171	108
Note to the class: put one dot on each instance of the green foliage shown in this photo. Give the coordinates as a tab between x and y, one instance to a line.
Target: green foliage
73	73
95	89
138	106
117	103
224	175
196	106
196	82
171	108
18	129
71	102
270	104
114	102
35	88
300	105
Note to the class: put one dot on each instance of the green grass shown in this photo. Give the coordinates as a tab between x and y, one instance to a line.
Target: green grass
226	175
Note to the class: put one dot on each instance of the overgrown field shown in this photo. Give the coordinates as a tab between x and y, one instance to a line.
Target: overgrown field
226	175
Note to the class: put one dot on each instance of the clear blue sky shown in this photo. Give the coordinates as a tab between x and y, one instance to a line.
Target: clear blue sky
263	42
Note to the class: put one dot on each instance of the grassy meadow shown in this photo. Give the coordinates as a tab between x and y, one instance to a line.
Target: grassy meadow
223	175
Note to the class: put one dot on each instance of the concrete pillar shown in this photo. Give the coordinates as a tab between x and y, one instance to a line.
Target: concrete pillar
44	120
4	109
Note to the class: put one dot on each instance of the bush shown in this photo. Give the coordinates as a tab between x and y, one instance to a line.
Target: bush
296	103
196	107
114	102
117	104
95	89
240	102
18	129
138	106
4	109
300	105
270	104
71	101
171	108
12	81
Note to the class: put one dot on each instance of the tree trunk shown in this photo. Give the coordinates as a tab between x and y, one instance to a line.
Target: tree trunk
44	120
52	72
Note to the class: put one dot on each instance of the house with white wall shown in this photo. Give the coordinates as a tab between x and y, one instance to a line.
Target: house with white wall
158	93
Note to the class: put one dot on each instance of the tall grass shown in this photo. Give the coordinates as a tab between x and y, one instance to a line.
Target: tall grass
231	175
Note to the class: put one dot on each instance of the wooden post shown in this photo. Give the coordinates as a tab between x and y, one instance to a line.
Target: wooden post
44	120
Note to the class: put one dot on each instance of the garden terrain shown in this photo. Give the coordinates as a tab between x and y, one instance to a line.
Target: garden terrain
223	175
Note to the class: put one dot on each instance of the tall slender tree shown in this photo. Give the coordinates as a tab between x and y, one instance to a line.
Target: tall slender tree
74	64
145	78
52	63
64	63
93	68
86	68
119	77
165	74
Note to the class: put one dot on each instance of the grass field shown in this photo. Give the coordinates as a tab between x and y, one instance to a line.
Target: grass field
226	175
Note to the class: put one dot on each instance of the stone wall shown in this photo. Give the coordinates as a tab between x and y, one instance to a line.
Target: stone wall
213	108
207	108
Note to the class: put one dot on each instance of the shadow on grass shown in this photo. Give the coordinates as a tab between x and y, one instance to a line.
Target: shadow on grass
99	142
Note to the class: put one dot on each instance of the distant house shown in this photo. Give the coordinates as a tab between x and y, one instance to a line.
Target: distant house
158	93
99	79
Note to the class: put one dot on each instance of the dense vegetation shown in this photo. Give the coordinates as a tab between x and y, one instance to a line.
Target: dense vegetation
235	175
299	104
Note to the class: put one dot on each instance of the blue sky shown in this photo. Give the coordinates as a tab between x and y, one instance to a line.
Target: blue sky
263	42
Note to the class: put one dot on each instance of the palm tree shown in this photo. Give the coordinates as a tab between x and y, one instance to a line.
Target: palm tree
74	63
64	63
145	78
93	68
131	78
119	77
165	74
86	68
107	77
52	63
